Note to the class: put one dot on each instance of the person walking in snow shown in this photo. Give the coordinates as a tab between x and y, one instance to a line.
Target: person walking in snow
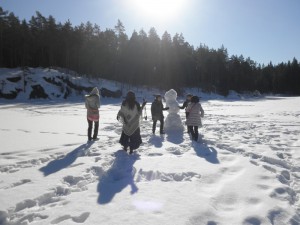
92	104
130	115
185	105
157	113
195	112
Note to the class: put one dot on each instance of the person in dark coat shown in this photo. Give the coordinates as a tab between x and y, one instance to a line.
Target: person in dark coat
157	113
187	101
195	112
185	105
130	115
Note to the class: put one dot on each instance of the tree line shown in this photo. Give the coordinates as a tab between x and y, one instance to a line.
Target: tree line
145	58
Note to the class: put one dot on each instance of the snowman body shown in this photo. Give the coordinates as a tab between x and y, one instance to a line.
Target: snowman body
173	121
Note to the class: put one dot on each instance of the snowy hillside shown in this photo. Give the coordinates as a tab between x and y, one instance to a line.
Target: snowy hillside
51	84
245	170
60	84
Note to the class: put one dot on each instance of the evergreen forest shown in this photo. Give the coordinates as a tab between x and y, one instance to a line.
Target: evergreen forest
144	58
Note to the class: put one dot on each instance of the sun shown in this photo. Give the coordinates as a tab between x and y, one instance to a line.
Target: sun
161	10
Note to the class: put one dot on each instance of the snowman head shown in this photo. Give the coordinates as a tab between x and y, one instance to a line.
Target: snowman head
171	101
171	95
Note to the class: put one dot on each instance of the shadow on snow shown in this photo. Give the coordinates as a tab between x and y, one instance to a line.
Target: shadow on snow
210	154
119	176
157	141
175	137
61	163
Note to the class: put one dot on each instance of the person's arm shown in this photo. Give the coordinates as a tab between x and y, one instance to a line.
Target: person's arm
202	111
86	103
121	116
184	105
189	107
152	109
98	102
164	108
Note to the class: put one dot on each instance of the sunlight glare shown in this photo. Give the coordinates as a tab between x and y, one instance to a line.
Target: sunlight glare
159	9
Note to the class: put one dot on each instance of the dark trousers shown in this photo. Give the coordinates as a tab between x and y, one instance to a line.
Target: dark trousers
133	142
193	130
95	129
161	125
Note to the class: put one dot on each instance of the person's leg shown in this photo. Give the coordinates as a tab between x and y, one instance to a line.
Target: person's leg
191	131
162	126
124	141
135	140
90	123
196	132
96	130
154	126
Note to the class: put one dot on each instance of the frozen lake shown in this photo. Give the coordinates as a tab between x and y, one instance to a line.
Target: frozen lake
245	170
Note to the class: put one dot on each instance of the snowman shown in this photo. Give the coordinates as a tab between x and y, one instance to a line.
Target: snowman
173	121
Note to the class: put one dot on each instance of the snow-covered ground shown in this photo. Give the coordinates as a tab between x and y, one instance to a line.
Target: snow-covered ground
244	171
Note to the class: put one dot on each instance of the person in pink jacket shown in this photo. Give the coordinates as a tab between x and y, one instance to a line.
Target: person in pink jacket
194	114
92	104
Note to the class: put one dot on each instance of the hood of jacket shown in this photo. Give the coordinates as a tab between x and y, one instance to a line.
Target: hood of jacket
95	91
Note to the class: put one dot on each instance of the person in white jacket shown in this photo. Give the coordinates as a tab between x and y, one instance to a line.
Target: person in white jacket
194	114
130	115
92	104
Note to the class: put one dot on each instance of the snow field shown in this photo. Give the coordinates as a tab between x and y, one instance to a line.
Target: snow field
245	170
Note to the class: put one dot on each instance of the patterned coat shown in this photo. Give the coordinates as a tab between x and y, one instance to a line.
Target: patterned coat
130	118
195	112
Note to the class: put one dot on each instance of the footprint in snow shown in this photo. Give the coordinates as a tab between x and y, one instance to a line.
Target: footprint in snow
166	177
174	150
252	221
155	154
77	219
19	183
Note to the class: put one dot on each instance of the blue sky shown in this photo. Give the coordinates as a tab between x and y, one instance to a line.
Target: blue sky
264	30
